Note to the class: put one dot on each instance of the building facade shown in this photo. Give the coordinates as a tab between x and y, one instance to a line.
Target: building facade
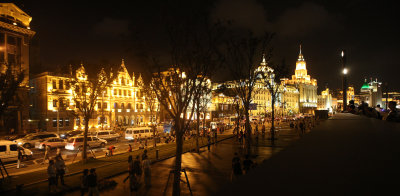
121	104
306	85
15	36
325	101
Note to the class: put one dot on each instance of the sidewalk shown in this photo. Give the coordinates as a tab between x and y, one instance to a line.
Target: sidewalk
345	155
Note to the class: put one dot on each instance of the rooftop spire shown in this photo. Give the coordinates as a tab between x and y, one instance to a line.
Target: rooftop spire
301	58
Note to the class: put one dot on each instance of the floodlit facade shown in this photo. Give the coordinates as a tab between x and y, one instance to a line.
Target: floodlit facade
371	93
325	101
15	36
307	86
121	104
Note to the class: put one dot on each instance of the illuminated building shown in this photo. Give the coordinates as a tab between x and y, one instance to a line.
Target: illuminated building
325	101
121	104
391	96
15	36
371	93
307	86
338	94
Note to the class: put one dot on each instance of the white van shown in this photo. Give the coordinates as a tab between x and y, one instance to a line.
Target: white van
9	151
135	133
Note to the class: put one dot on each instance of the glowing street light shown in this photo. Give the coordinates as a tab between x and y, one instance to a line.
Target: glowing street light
344	80
345	71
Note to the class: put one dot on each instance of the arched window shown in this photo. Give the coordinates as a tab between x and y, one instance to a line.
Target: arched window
115	105
122	105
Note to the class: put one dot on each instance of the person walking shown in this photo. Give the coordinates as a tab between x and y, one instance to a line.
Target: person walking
130	148
137	170
84	182
215	137
20	157
144	153
60	170
46	154
236	167
131	176
92	183
51	172
146	171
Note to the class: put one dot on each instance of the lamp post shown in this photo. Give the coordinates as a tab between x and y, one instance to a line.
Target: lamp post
344	80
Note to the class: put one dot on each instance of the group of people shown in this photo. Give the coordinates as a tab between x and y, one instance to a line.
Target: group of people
303	124
136	168
56	171
89	182
392	115
238	169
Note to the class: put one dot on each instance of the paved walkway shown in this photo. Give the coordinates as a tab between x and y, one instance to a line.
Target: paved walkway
207	171
345	155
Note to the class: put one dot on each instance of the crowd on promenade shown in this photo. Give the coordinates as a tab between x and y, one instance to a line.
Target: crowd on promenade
391	115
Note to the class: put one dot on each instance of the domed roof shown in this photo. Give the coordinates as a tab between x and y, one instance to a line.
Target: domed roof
365	86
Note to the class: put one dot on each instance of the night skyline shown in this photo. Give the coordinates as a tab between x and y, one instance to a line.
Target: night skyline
81	32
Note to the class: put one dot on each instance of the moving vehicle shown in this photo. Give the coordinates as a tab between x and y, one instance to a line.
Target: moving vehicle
70	134
51	142
135	133
76	143
9	151
29	140
106	135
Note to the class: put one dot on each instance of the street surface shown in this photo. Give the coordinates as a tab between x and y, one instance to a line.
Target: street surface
207	171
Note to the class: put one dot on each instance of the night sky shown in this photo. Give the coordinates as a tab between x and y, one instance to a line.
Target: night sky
103	33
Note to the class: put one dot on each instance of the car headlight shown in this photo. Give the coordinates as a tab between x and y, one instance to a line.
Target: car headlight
31	153
19	143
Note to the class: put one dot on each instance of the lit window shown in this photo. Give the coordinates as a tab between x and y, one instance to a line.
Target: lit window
55	103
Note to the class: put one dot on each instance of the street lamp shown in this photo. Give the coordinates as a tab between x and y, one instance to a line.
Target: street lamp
344	80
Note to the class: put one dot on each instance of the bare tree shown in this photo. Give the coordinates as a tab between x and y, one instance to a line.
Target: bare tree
193	56
86	90
243	54
202	98
272	81
152	106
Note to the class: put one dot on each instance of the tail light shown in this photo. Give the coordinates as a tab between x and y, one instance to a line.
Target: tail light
73	143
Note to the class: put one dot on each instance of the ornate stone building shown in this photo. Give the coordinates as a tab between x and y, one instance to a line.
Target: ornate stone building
121	104
15	36
307	86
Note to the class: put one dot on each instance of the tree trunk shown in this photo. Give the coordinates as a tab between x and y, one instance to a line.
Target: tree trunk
273	119
176	191
247	127
198	129
84	155
154	136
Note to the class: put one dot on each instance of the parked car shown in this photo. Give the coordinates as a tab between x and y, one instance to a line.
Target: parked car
69	134
76	143
9	151
14	137
106	135
51	142
29	140
135	133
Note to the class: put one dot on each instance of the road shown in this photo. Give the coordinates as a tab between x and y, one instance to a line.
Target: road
69	156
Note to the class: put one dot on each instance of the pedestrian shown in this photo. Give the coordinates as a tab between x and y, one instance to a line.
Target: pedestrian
208	141
131	176
146	171
130	148
21	151
144	153
215	137
247	164
84	182
394	114
236	167
137	170
51	172
110	150
12	131
60	170
145	142
58	154
92	183
46	154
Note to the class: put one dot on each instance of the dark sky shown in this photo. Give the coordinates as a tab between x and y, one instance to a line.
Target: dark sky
104	33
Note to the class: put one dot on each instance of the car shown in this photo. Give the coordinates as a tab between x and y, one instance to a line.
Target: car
52	142
76	143
29	140
69	134
14	137
9	151
106	135
135	133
